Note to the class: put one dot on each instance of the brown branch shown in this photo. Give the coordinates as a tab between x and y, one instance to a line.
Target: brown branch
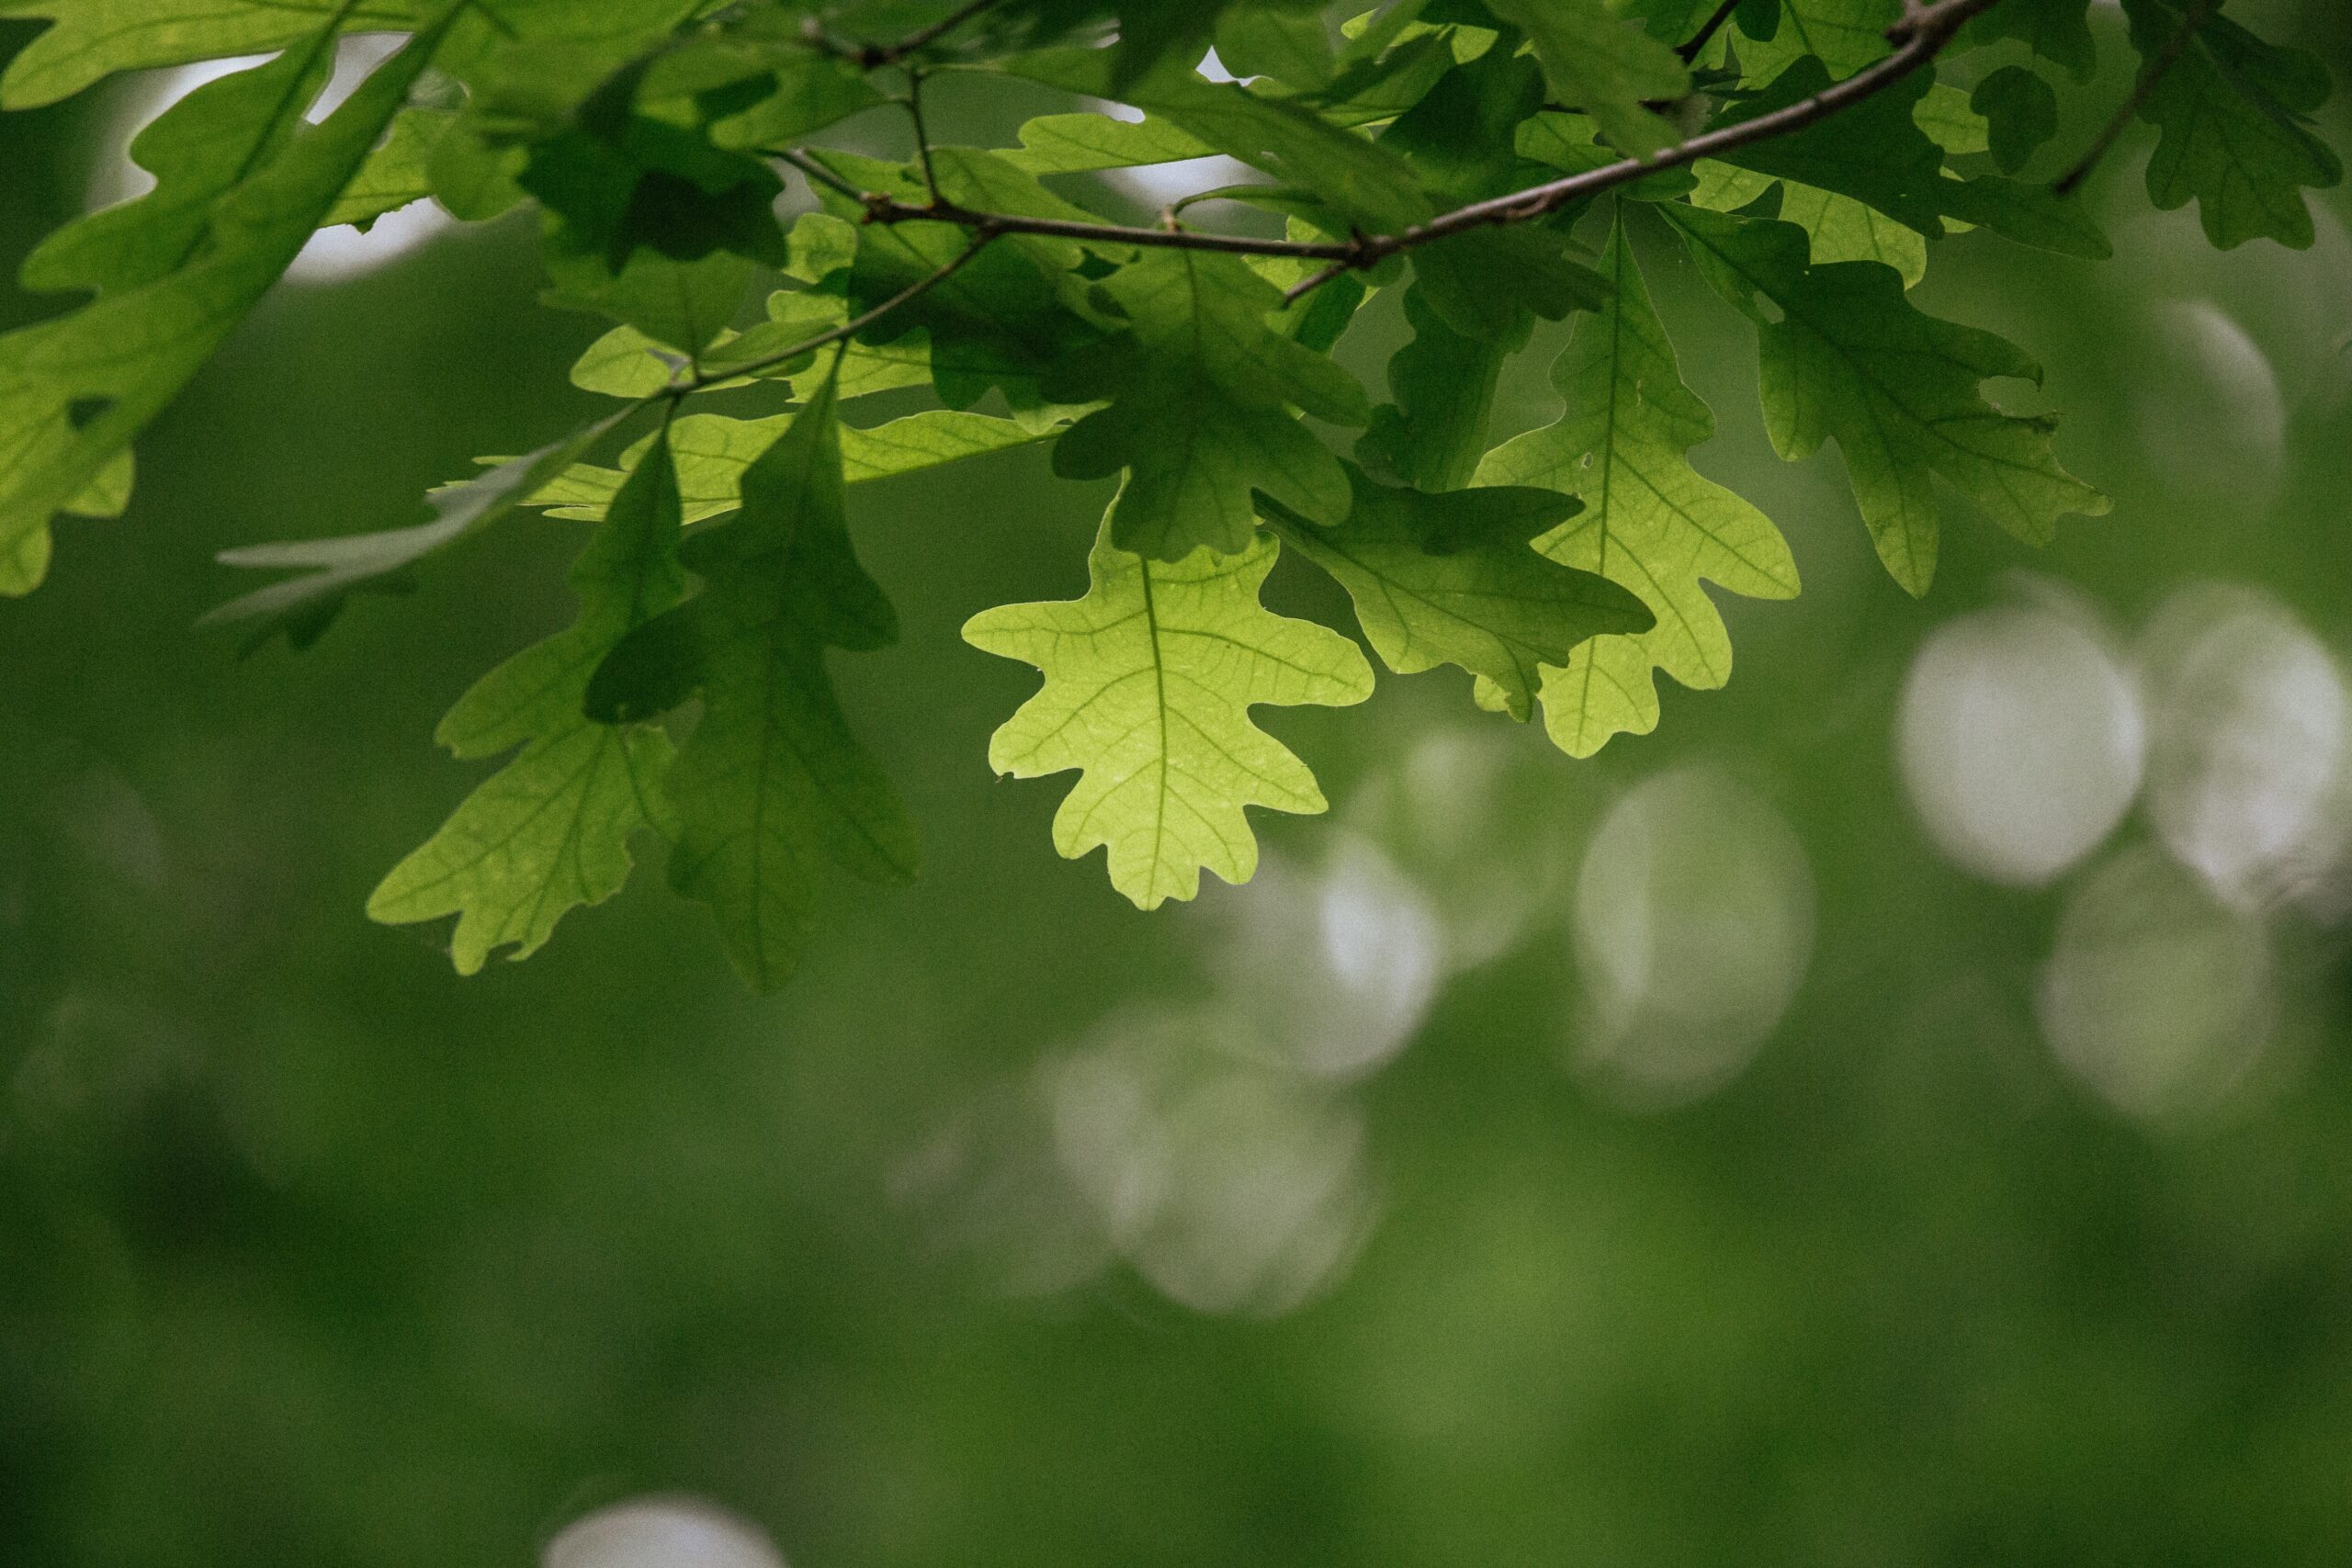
1919	36
2149	75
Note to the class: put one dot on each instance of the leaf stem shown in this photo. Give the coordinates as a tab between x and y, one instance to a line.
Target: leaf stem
913	100
2151	74
1707	29
728	372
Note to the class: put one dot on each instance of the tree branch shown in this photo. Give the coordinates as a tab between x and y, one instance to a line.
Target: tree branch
1919	36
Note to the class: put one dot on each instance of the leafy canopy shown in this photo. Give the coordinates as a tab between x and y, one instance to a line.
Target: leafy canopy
1497	165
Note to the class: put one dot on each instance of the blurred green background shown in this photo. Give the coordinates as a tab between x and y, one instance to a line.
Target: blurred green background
1900	1113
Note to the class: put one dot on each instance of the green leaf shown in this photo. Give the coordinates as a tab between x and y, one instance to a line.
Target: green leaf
2231	115
1845	35
1650	522
805	92
1461	138
1433	432
1843	354
1875	152
713	450
771	786
198	150
2057	30
642	185
1149	679
1951	120
549	831
1078	143
1603	66
74	390
1002	321
1200	392
1364	183
331	569
395	174
2021	111
683	304
1838	226
1287	43
89	39
1452	579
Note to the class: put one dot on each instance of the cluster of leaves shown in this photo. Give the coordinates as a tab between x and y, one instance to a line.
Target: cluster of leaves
1497	163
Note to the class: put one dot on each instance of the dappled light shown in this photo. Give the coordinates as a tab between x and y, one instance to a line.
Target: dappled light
2211	416
1436	814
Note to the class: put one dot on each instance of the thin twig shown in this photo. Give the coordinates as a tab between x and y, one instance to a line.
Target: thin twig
1707	29
2149	75
857	323
1918	37
913	100
873	54
1312	282
808	164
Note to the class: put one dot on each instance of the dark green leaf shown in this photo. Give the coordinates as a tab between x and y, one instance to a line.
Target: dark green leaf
1452	579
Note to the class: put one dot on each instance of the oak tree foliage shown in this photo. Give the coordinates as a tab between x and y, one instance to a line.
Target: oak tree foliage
1498	164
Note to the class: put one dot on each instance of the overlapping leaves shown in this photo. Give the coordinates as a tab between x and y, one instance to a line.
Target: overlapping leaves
1649	520
1568	566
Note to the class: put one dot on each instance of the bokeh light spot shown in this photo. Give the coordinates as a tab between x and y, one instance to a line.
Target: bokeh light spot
661	1532
2248	760
2020	740
2158	996
1693	930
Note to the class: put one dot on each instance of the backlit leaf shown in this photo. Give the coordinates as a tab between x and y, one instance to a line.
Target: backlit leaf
1650	521
1149	679
1844	354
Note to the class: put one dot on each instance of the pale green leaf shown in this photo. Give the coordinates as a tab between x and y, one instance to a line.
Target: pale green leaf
1838	226
549	831
713	450
1650	522
1149	679
1077	143
395	174
1846	35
